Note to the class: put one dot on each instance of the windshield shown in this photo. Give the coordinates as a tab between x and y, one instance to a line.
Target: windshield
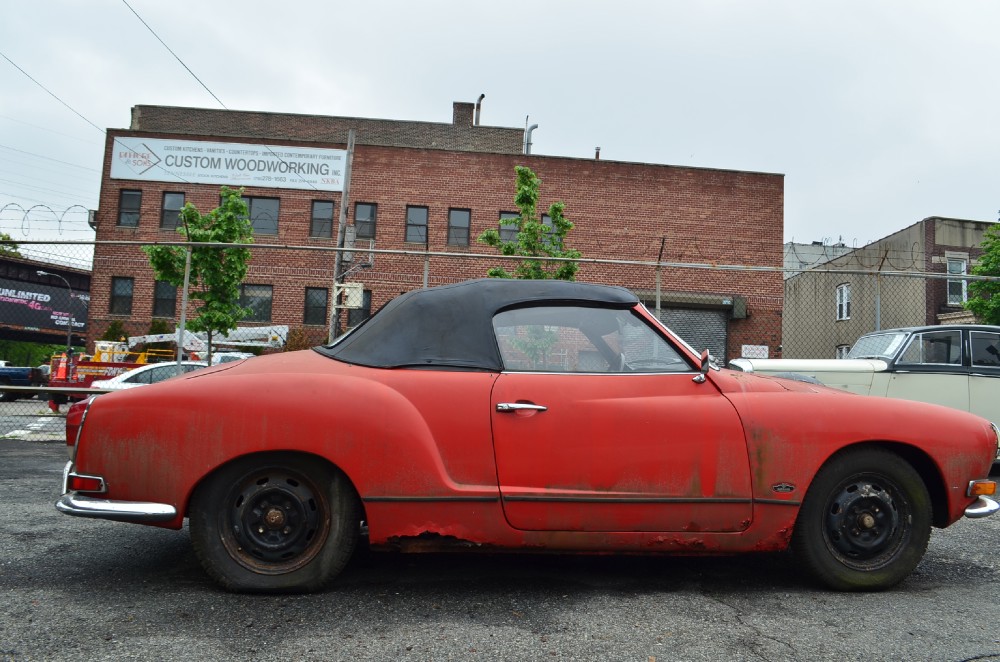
877	346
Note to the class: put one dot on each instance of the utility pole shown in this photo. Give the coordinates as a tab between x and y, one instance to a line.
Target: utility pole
341	231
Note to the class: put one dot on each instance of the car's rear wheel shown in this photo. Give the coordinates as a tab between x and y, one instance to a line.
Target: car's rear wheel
865	521
274	523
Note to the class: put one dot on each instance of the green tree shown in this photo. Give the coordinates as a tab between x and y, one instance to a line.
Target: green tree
984	295
115	332
534	238
10	249
216	273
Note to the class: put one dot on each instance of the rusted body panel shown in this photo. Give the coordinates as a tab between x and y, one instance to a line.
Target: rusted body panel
654	452
598	474
393	435
794	427
643	463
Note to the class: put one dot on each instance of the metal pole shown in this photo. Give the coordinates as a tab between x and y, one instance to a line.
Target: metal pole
878	301
69	323
341	230
184	306
659	269
878	291
427	257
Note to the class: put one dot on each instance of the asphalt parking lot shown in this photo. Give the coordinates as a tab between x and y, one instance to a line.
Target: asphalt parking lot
93	590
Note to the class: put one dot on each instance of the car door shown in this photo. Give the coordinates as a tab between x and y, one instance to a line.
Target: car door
984	380
931	368
613	431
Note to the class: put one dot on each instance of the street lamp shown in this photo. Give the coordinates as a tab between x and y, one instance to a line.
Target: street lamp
69	325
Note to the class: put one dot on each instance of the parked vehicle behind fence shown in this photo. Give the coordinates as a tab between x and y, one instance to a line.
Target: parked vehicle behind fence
952	365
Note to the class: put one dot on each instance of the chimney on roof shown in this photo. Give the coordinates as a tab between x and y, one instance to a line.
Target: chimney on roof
462	113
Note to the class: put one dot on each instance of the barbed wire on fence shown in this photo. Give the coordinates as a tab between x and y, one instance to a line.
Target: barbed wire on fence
703	265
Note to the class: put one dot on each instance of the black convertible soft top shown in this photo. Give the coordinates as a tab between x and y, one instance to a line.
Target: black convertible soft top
452	325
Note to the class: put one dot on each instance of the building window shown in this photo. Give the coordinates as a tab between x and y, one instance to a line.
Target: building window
316	301
263	214
129	203
550	237
416	224
508	232
258	299
171	215
957	289
356	316
322	219
164	300
843	351
121	295
844	301
364	219
458	227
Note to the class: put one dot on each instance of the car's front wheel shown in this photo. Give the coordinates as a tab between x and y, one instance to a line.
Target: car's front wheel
865	521
274	523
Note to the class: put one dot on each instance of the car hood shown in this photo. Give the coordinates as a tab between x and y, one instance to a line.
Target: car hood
809	365
735	381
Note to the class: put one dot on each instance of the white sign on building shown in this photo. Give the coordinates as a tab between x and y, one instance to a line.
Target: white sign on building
754	351
227	164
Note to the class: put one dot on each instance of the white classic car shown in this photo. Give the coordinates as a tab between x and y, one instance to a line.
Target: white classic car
957	366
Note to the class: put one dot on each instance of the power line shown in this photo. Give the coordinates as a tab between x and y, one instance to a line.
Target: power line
49	158
151	31
50	93
45	128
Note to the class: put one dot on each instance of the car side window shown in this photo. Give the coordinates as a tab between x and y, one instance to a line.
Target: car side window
934	348
985	348
139	378
582	339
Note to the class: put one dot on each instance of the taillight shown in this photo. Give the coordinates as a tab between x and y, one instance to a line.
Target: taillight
78	483
74	423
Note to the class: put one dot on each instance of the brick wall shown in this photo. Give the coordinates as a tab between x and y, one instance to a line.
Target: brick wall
460	135
943	236
621	211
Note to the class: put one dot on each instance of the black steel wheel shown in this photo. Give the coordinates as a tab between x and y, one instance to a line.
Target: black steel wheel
272	523
865	522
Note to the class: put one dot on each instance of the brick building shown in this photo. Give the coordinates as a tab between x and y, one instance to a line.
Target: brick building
910	278
421	186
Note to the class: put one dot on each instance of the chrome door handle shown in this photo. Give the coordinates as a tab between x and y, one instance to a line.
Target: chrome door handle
505	407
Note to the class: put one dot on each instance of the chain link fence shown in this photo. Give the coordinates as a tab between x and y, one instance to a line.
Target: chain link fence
101	300
826	311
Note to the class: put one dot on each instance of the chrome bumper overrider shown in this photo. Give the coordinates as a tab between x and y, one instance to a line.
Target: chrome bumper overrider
120	511
982	507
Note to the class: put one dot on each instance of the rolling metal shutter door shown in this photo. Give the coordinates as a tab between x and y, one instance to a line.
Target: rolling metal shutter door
702	329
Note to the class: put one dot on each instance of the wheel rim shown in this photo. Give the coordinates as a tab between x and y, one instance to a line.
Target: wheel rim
276	521
867	521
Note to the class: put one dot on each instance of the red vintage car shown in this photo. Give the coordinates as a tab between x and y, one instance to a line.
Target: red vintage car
533	415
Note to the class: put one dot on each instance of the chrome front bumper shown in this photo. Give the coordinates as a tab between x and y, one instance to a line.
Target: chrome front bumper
982	507
120	511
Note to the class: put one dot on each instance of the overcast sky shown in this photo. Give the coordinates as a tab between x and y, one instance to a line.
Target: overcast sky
878	113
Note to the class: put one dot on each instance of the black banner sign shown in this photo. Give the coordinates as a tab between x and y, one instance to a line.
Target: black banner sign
42	307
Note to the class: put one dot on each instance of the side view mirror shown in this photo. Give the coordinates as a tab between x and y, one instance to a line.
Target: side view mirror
706	363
